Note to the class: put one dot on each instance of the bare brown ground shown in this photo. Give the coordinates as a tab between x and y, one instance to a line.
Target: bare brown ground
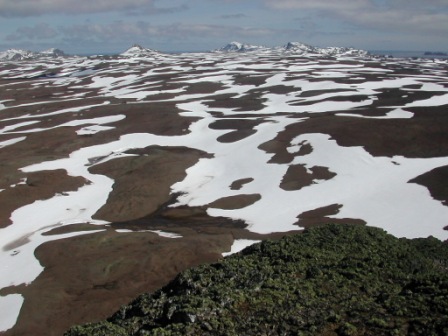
38	185
253	102
424	136
235	202
278	147
238	184
239	128
87	278
436	181
235	136
298	176
142	183
320	216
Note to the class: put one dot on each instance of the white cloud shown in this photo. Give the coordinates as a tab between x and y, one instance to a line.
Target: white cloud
116	36
233	16
40	31
327	5
10	8
404	15
119	35
176	31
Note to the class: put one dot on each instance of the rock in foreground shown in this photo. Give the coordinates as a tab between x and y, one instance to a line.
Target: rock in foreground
330	280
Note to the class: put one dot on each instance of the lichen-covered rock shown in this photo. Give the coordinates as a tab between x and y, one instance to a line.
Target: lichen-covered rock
99	329
330	280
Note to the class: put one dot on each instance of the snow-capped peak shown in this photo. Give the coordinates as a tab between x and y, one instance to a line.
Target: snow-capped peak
53	52
240	47
343	51
295	48
22	55
16	55
299	47
137	50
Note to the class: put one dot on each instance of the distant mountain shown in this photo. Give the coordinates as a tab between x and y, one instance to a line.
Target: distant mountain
21	55
16	55
301	48
436	53
139	51
298	47
240	47
342	51
53	52
295	48
233	47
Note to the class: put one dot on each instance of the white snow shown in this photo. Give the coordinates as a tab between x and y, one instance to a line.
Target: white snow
374	189
99	120
167	234
433	101
10	306
394	114
8	129
67	110
93	129
239	245
158	232
17	256
11	141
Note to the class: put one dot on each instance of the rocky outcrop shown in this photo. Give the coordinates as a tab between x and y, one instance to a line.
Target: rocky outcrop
330	280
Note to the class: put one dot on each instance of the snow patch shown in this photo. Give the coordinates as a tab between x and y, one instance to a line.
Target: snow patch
239	245
158	232
395	114
10	306
11	141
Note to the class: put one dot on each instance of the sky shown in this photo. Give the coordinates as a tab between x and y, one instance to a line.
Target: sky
112	26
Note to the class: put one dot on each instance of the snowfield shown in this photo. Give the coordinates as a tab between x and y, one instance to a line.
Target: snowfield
239	105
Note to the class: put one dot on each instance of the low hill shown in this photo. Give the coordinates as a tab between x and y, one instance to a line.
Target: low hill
330	280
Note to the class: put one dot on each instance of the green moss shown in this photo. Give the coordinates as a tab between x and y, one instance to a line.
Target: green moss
97	329
335	279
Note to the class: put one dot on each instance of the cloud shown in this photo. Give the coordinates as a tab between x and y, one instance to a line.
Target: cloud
25	8
120	30
418	16
40	31
128	32
233	16
324	5
117	36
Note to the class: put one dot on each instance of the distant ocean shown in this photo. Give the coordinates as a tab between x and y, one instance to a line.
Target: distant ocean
405	54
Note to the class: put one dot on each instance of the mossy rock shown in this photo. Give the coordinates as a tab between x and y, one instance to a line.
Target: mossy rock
329	280
98	329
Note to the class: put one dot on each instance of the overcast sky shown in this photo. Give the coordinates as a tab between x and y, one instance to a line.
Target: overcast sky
107	26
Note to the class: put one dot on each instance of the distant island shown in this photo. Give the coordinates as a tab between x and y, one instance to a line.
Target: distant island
435	53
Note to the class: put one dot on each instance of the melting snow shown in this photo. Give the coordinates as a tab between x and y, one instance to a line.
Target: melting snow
11	305
11	141
395	114
374	189
239	245
158	232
